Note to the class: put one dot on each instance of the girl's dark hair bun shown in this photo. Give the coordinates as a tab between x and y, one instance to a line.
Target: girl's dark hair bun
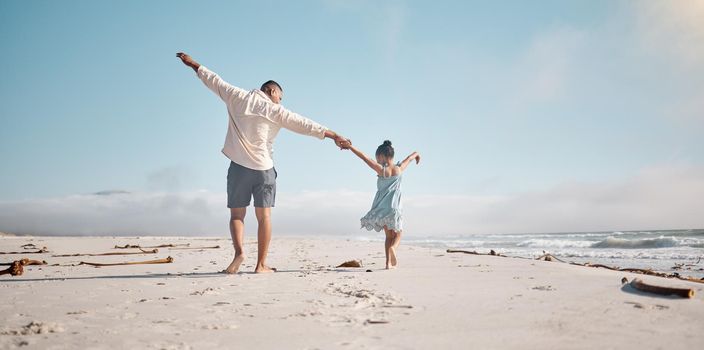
385	149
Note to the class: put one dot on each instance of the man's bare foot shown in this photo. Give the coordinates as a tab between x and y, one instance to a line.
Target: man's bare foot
234	265
264	269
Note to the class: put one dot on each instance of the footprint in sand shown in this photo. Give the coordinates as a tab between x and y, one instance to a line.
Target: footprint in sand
218	326
544	288
641	306
35	327
204	291
79	312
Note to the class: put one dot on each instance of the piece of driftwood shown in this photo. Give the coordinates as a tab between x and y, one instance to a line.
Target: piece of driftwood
38	251
376	322
613	268
17	267
351	263
491	252
550	257
399	306
26	262
644	272
213	247
691	279
130	246
166	260
651	288
684	266
141	251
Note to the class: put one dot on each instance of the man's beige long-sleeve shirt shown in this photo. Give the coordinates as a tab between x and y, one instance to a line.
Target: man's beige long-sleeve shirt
254	122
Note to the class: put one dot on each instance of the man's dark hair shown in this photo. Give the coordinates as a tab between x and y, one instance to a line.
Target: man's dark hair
269	85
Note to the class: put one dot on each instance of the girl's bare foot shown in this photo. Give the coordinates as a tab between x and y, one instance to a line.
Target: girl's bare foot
234	265
392	258
264	269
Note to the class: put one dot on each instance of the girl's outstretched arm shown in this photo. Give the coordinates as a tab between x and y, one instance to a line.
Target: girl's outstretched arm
405	162
372	163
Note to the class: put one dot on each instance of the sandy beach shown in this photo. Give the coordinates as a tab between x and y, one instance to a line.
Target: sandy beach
433	300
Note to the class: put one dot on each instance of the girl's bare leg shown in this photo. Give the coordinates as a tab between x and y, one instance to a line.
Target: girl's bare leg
237	233
394	244
397	239
387	247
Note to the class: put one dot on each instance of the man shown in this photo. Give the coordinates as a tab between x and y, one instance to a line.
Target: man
255	118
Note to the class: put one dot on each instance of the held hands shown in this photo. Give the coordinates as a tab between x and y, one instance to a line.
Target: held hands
342	142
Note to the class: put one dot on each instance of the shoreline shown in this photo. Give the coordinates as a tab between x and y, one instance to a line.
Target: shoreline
432	243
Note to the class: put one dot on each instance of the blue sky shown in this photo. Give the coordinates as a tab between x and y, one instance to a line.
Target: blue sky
513	106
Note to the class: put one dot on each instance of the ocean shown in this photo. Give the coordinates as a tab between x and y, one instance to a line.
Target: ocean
661	250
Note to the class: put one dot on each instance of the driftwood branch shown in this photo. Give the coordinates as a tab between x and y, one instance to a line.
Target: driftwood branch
17	267
550	257
213	247
142	251
597	265
648	272
351	263
650	288
166	260
26	262
130	246
491	252
38	251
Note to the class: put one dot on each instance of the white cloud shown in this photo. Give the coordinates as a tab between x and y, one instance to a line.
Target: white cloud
541	74
672	28
658	198
117	214
673	32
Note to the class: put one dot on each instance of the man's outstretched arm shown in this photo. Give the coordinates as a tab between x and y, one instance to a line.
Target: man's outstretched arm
302	125
189	61
223	89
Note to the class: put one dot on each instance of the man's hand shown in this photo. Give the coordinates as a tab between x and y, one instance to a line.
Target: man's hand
188	60
343	142
340	141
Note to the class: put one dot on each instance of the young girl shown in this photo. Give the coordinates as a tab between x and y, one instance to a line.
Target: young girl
386	209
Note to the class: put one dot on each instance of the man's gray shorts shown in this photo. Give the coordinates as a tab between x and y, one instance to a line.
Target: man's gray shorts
243	183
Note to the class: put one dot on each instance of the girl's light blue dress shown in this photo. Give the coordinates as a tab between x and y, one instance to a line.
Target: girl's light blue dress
386	208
